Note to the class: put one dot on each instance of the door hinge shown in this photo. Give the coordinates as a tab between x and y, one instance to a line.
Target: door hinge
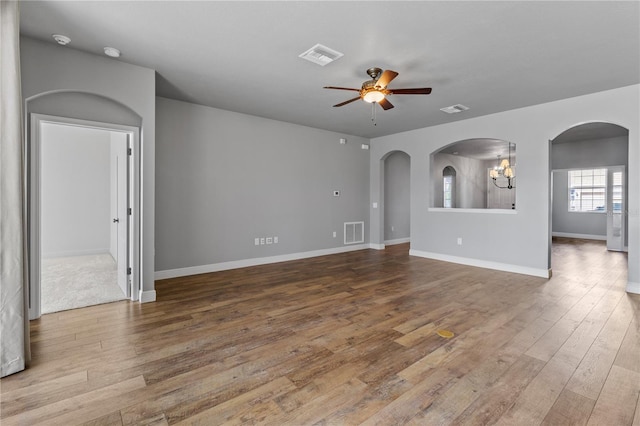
128	271
128	151
129	210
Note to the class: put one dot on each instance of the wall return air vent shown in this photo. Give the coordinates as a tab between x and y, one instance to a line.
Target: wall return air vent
353	232
321	55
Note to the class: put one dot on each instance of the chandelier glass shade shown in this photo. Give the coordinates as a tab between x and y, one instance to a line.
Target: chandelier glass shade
503	169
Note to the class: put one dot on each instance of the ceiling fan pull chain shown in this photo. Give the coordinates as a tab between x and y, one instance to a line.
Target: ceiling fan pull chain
373	113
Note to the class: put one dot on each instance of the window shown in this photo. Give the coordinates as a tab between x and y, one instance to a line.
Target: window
449	186
617	192
587	190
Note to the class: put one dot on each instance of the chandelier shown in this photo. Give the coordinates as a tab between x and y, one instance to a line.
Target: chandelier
503	169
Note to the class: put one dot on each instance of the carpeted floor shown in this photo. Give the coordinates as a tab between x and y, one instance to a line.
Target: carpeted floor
76	282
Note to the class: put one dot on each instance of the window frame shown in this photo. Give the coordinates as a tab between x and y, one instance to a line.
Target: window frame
589	174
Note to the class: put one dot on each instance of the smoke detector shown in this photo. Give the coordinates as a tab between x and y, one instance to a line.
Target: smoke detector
112	51
62	40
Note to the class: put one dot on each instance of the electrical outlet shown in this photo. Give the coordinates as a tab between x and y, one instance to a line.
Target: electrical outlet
275	240
261	241
392	228
335	234
269	240
257	241
459	241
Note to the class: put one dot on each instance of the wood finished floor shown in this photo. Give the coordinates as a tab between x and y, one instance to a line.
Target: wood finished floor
347	339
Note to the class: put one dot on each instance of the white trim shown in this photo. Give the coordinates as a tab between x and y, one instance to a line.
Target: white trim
633	287
235	264
376	246
147	296
397	241
74	253
457	210
543	273
579	236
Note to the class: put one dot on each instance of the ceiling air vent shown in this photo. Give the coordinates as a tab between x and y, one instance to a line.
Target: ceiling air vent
454	109
321	55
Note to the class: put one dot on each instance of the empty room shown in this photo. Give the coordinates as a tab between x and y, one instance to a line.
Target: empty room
320	212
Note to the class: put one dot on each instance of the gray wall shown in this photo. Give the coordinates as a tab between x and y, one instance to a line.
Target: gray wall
75	191
128	95
471	181
592	153
563	221
396	196
225	178
434	233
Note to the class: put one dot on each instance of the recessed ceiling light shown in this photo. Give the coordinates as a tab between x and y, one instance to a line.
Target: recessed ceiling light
112	51
454	109
61	39
321	55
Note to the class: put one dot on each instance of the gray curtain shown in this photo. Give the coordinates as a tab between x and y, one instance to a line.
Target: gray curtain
14	322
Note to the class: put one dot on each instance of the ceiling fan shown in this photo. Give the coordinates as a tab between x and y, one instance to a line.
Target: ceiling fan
375	90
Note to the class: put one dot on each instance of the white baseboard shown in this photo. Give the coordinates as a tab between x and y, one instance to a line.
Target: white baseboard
543	273
633	287
376	246
147	296
397	241
74	253
579	236
235	264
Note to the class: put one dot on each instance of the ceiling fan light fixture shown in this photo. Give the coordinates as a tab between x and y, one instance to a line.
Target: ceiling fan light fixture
373	96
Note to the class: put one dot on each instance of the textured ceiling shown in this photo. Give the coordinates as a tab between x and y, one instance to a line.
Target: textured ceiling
243	56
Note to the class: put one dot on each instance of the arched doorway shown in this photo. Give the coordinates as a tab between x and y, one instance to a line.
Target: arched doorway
397	193
589	185
76	119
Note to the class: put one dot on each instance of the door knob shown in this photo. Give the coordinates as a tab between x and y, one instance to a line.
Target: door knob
116	220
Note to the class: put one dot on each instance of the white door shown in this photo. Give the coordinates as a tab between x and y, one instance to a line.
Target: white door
120	222
616	209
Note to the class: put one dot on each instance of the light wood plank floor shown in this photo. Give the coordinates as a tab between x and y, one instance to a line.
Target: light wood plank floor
347	339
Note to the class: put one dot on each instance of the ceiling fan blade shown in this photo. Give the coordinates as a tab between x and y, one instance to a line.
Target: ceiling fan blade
385	104
416	91
347	102
386	78
341	88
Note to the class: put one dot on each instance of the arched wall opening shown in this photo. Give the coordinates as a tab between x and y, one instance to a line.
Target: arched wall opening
397	194
589	185
82	106
472	160
112	120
